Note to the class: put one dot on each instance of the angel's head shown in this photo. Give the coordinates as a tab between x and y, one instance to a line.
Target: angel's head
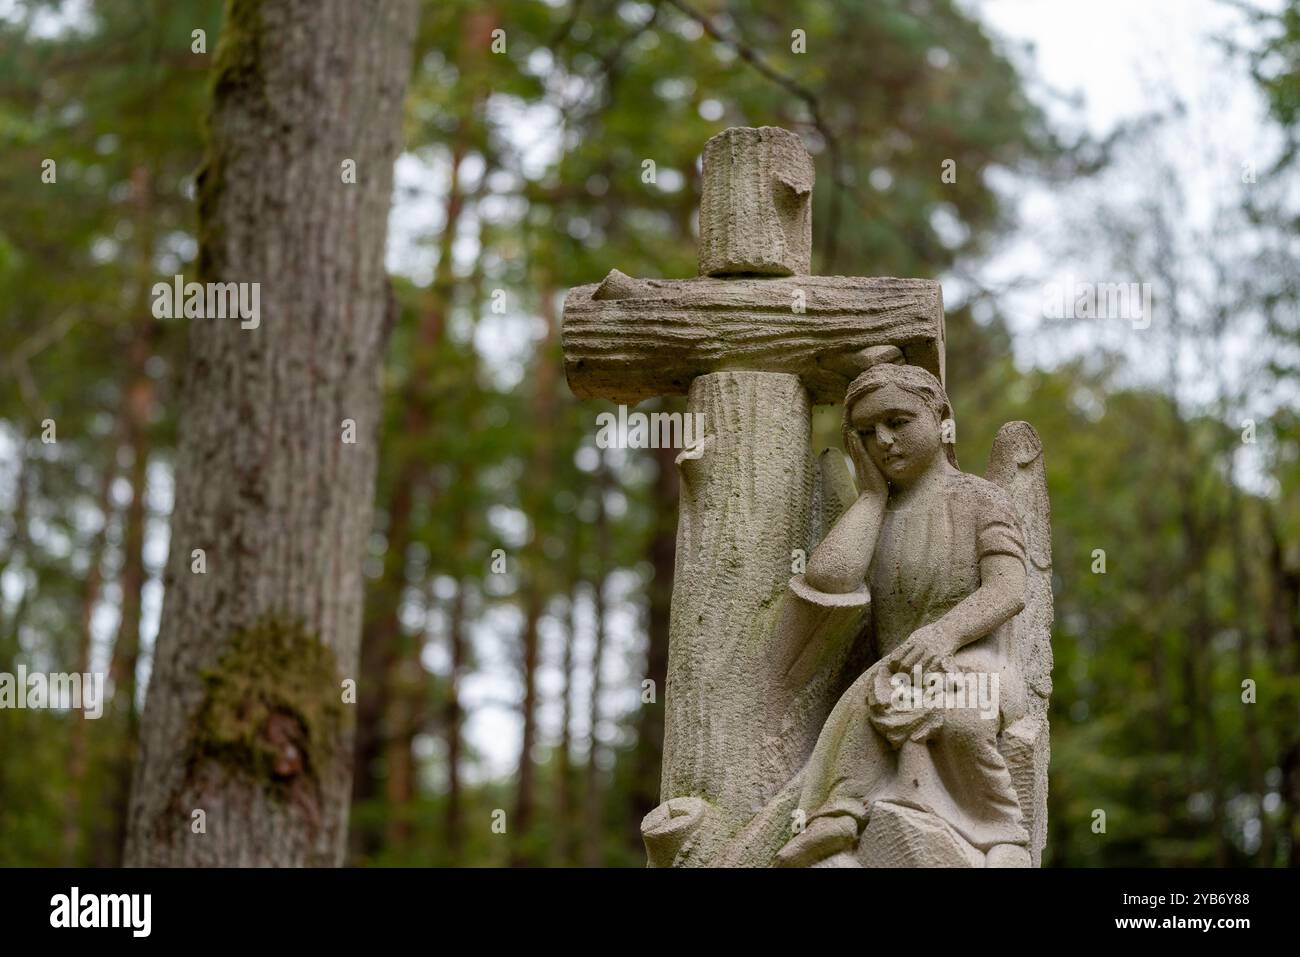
904	418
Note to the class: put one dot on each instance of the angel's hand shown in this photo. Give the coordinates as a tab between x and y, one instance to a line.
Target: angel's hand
930	646
870	480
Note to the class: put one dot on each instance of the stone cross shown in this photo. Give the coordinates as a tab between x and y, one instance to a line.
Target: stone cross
754	342
754	307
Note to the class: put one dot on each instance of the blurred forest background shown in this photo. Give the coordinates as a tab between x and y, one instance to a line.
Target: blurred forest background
522	691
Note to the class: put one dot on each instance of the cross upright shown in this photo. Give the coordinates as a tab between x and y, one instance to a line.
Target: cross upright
754	342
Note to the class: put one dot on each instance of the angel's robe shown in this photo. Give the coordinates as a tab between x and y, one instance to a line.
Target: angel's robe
943	760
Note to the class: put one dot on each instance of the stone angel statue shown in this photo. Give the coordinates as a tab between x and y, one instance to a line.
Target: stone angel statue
937	752
904	702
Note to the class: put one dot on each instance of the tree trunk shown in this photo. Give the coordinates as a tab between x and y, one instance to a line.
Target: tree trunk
1246	605
536	505
126	646
404	685
454	717
401	720
400	688
1198	675
276	464
19	542
1284	632
525	799
564	803
90	594
595	817
377	660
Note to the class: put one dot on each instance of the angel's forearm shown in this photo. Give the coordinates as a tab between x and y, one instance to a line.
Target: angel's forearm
1000	597
839	564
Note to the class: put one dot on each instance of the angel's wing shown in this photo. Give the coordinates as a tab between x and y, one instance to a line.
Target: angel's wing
1016	465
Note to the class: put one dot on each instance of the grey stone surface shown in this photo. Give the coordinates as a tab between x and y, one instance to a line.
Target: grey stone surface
756	207
901	836
630	339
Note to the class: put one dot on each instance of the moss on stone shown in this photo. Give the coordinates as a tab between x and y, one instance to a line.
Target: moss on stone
271	706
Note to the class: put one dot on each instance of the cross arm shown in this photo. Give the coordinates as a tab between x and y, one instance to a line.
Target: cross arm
627	339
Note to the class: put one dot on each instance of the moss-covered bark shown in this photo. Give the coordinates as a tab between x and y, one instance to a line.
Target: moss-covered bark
237	80
272	707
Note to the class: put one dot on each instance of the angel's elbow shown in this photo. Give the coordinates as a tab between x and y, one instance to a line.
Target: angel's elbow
1013	594
829	578
1015	605
1011	585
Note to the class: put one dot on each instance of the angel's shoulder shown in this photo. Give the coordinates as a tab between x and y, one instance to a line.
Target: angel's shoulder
979	491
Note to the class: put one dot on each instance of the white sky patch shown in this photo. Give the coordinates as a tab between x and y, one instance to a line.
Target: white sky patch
420	184
71	16
1117	61
1112	55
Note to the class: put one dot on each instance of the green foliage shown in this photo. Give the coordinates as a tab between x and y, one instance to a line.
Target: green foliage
1275	65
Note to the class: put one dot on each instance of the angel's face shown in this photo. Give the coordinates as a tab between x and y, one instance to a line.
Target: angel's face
901	434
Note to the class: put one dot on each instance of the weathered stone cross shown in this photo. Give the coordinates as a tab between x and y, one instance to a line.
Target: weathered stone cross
754	341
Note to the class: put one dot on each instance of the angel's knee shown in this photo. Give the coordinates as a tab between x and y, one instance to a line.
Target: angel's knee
971	727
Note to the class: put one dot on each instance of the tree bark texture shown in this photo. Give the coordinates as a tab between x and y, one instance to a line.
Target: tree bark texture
244	719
